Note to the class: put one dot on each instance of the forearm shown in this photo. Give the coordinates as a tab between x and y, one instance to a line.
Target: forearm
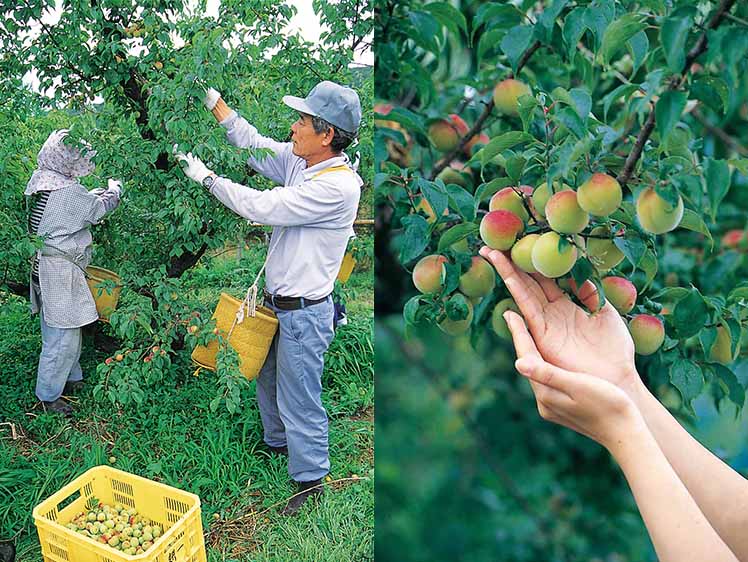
679	530
221	111
712	483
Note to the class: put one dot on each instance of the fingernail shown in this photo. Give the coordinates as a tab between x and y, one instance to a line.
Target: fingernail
507	318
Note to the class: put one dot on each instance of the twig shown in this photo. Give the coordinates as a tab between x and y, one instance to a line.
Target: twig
478	125
719	133
693	54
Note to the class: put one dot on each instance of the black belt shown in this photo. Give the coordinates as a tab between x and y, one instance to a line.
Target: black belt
291	303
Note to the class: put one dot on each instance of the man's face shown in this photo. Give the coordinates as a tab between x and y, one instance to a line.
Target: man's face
306	142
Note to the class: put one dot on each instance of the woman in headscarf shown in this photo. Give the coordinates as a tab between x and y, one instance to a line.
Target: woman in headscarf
61	212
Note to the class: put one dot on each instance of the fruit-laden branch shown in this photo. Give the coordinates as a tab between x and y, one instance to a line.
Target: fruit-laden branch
476	128
698	49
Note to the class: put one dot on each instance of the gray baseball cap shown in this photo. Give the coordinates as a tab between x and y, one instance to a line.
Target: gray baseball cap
332	102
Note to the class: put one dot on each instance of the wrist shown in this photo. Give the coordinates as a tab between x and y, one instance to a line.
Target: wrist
627	435
221	111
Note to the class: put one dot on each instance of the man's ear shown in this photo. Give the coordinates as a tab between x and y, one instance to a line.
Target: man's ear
329	135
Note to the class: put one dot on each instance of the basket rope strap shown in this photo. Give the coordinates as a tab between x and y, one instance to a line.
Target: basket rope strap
250	300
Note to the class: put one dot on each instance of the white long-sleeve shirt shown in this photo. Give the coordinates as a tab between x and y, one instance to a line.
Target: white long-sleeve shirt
316	209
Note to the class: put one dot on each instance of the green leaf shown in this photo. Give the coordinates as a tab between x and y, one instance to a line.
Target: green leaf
455	234
517	40
574	27
668	111
461	201
639	47
692	221
447	15
622	91
618	33
649	265
597	17
673	36
411	309
486	190
735	390
415	238
411	121
671	294
426	30
496	15
434	193
547	19
690	315
527	106
741	164
717	178
632	246
514	166
489	41
582	102
502	142
713	91
688	378
739	292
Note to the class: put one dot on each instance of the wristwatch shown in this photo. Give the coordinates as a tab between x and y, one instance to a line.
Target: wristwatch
208	181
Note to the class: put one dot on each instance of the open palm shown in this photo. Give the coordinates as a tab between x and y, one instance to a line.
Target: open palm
565	334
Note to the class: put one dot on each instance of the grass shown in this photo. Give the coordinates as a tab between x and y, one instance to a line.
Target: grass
174	438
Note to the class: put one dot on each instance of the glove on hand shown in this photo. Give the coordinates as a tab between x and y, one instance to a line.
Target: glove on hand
115	185
195	169
211	98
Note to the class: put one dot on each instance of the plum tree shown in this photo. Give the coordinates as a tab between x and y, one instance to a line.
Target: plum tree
564	214
506	95
522	253
657	215
498	323
648	333
428	273
551	260
445	134
600	195
499	229
620	292
479	280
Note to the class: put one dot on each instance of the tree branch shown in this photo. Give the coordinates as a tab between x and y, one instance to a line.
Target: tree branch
699	48
478	125
719	133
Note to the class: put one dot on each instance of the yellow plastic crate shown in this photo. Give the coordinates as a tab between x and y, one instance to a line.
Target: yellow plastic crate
178	513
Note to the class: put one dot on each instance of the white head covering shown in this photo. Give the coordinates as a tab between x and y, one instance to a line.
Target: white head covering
59	165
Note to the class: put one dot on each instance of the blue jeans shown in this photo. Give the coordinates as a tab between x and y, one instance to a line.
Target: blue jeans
289	389
58	361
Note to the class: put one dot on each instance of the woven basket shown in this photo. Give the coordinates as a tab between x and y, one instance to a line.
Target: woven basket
251	338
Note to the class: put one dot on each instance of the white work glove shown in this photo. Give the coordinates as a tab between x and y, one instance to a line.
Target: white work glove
195	169
211	98
115	185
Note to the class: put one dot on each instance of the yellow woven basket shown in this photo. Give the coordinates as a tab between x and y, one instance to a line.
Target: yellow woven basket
346	268
251	339
106	302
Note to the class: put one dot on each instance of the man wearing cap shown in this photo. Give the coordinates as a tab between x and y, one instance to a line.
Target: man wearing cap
312	211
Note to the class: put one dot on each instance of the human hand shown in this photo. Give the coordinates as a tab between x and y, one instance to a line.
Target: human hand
566	335
195	169
587	404
211	98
